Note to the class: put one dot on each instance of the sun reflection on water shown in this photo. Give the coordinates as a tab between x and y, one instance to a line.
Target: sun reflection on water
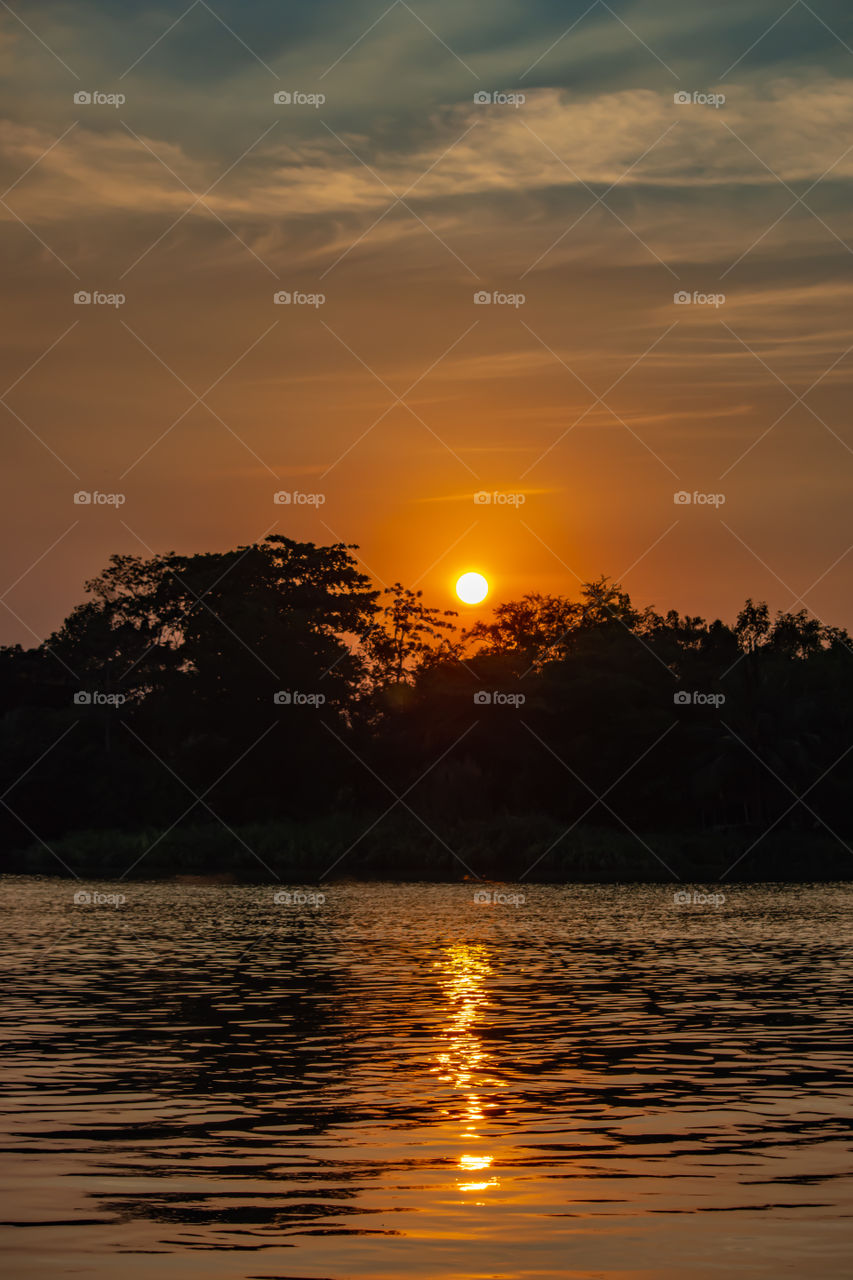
462	1061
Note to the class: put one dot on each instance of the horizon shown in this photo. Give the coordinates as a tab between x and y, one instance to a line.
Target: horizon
463	615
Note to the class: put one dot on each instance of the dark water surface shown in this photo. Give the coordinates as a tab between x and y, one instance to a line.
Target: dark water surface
401	1081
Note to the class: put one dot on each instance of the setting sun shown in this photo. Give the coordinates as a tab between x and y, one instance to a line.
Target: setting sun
472	588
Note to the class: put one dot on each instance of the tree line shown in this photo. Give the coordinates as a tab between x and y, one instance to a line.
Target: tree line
276	683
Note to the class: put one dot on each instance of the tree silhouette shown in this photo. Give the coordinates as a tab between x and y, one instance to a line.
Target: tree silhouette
407	634
273	683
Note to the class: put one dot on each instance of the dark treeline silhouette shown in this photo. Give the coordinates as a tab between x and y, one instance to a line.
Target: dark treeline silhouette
271	697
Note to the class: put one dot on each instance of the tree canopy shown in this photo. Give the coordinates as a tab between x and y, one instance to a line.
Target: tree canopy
275	681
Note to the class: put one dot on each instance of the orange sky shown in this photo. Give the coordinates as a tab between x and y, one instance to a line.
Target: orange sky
400	397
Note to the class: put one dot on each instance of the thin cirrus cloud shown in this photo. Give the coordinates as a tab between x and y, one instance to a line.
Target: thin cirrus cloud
788	131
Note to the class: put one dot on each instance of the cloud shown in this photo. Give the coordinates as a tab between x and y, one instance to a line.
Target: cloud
790	132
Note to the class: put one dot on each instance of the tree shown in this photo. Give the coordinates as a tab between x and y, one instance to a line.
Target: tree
536	628
752	626
407	636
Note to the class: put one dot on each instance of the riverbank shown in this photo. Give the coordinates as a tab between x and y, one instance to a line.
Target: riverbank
532	847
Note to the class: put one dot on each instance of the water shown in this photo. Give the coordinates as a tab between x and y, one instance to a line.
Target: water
596	1082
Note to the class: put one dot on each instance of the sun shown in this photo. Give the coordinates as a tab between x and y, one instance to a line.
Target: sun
472	588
